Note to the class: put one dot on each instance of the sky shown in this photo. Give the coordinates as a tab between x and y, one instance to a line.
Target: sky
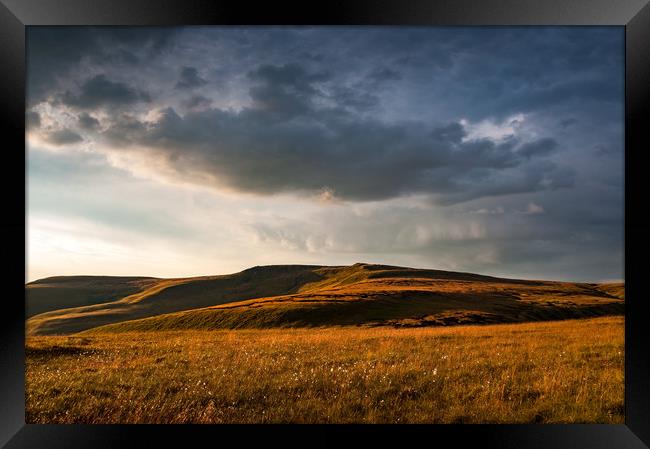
190	151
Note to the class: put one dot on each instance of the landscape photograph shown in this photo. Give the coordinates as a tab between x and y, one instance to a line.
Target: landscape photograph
324	225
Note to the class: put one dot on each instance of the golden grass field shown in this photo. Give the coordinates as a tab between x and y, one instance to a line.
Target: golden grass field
567	371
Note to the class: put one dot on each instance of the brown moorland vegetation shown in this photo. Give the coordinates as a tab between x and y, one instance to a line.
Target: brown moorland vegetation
567	371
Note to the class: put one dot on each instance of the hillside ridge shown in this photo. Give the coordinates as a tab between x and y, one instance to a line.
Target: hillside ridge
314	295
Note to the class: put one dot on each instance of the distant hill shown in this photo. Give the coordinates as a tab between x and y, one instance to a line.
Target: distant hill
62	292
361	294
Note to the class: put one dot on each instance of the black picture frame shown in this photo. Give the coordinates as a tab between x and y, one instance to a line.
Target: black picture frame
634	15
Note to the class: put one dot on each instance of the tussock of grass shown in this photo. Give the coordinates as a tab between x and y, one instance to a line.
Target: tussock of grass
553	372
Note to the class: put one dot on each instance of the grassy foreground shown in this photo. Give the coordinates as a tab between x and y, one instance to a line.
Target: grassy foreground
551	372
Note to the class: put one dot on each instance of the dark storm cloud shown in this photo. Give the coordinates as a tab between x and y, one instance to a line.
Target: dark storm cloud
54	54
359	118
99	91
190	79
63	137
287	141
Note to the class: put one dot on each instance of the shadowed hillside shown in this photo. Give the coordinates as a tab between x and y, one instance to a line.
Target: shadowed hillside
308	296
171	295
615	289
63	292
398	302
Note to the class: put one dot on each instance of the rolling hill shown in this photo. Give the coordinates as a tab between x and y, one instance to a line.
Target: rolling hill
171	295
62	292
312	296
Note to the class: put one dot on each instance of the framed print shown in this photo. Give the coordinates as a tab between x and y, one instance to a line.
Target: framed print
388	222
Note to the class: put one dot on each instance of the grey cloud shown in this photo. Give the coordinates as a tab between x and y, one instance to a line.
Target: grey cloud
539	147
453	132
532	177
603	150
87	121
291	236
288	142
384	74
501	72
151	40
497	71
568	122
289	75
32	120
596	89
197	102
190	79
54	54
124	129
355	99
284	91
63	137
327	111
99	91
311	56
51	54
